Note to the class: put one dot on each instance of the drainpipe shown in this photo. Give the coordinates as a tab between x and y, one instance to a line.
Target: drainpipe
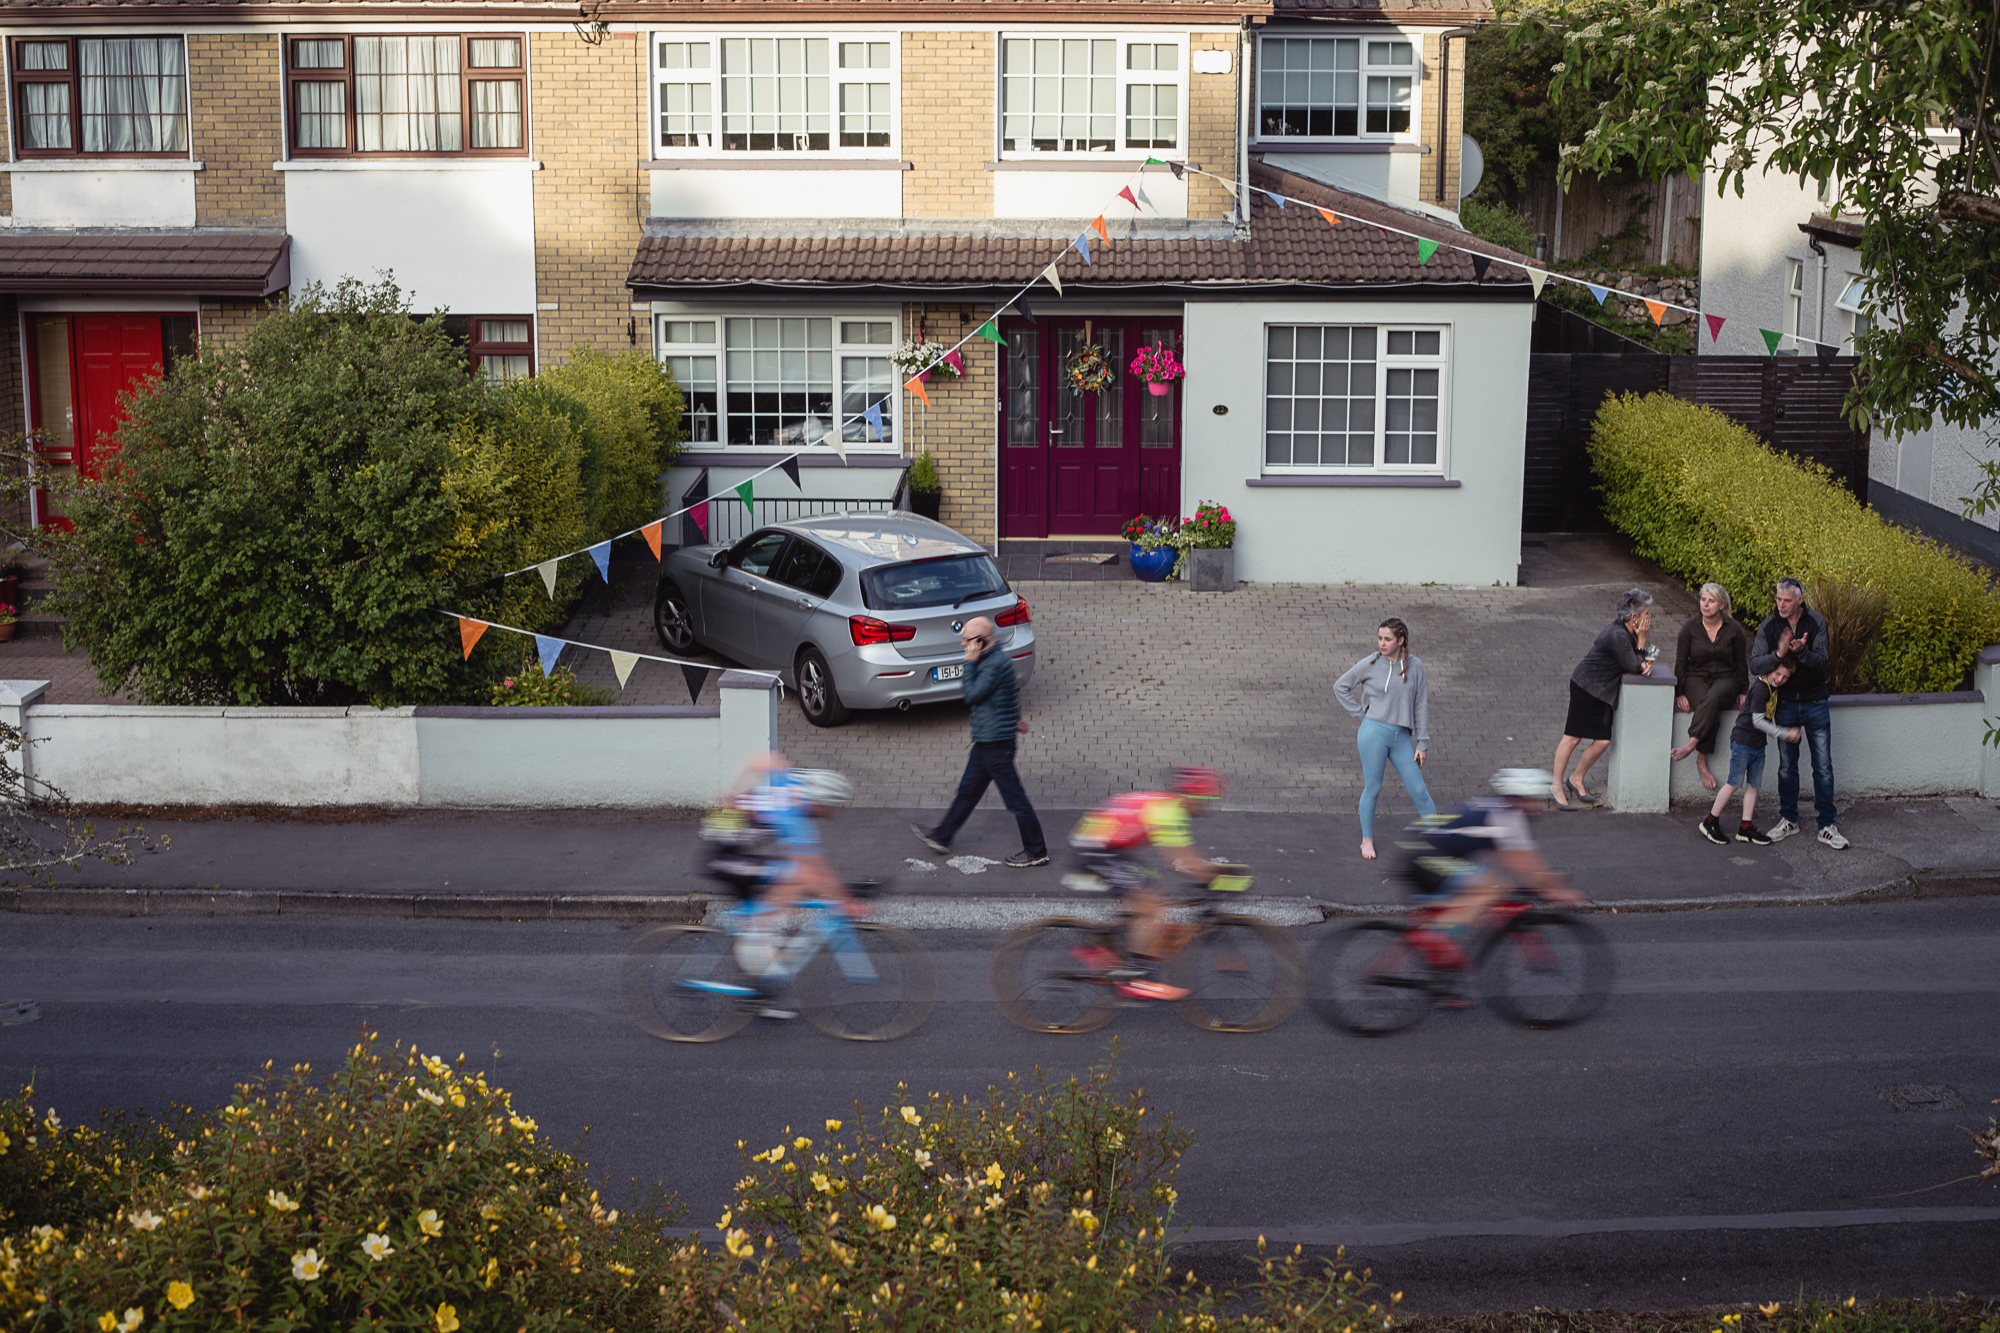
1819	306
1444	102
1245	43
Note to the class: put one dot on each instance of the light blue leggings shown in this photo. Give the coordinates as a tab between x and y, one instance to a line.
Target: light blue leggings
1380	743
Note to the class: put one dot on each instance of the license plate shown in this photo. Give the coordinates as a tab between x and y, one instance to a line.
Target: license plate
952	672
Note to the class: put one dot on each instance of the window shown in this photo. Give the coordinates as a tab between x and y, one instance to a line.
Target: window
774	94
503	349
773	381
102	96
1853	306
809	569
1336	87
407	95
1795	295
1091	95
1353	397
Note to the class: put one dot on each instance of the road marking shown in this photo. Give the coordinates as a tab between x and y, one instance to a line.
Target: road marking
1405	1233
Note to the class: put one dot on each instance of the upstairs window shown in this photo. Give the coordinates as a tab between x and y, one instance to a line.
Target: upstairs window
408	95
1079	95
1330	88
101	96
774	94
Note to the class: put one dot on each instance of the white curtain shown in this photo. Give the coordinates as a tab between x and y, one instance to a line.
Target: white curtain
496	115
406	94
134	94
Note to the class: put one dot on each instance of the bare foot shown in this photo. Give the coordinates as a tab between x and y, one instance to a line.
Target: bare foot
1368	849
1680	752
1707	778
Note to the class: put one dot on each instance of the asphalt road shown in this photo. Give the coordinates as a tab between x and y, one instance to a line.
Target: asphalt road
1717	1133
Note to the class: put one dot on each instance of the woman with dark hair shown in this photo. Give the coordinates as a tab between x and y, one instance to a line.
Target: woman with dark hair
1385	692
1711	675
1619	651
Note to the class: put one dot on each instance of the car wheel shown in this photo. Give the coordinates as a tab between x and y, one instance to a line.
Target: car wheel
673	621
818	699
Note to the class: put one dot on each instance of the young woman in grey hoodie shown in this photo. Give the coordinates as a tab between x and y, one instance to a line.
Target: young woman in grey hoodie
1385	691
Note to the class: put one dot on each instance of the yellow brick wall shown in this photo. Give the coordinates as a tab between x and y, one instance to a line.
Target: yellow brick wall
958	427
237	104
591	197
1212	103
227	322
1443	140
948	131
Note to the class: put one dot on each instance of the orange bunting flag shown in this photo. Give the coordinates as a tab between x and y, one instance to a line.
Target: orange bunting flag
916	386
1098	222
468	633
651	532
1657	310
1331	220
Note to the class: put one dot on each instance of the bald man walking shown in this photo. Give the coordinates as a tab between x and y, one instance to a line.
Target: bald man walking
994	698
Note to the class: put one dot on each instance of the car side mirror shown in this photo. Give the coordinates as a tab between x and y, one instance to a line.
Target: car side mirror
715	561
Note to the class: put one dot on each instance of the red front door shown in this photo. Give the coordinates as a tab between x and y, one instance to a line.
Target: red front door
114	353
1084	464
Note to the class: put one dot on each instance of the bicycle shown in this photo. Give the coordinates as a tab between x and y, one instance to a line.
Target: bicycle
1060	974
852	979
1534	966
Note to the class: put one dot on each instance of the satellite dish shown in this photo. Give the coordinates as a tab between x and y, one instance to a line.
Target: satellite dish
1471	165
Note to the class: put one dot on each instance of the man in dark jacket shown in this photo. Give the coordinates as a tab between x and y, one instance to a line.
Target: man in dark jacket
993	696
1796	637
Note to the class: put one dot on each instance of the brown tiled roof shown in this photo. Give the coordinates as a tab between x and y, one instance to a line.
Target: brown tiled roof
1288	247
641	11
139	263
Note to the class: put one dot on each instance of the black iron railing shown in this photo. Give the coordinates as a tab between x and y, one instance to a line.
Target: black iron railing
729	521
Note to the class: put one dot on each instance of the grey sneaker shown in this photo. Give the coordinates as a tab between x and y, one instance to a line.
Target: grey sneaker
1831	836
1024	860
924	837
1781	830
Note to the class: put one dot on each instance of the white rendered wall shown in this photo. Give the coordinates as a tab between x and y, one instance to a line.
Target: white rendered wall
1086	194
1883	745
107	198
538	759
776	193
1394	178
463	240
1466	535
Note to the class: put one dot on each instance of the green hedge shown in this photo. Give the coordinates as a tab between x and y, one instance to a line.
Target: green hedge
1708	501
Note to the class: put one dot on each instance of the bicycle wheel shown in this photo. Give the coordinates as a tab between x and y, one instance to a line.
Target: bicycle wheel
1241	975
1546	970
1042	978
681	984
890	996
1370	980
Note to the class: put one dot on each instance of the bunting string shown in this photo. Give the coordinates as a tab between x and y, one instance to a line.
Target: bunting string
549	648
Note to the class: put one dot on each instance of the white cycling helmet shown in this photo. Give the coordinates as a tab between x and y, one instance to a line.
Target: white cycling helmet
1531	783
824	787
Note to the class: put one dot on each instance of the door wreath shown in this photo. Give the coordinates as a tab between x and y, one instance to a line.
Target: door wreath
1089	371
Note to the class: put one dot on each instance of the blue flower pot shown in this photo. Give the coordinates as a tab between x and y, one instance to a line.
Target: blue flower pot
1156	565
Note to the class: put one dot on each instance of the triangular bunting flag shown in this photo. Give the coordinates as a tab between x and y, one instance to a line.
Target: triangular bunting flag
1658	310
1328	214
955	361
1277	199
550	650
699	514
791	467
872	414
1125	193
1154	162
622	664
1715	323
547	569
1538	277
1143	198
1771	339
991	332
1177	168
1599	292
916	386
1021	309
651	532
1083	248
601	553
749	499
1425	249
696	677
1826	352
1480	263
839	445
1055	280
469	631
1098	222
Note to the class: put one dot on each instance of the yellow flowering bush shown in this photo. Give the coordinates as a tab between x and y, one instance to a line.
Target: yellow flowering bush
1707	500
52	1173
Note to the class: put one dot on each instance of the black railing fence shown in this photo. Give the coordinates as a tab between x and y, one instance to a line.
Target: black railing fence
729	521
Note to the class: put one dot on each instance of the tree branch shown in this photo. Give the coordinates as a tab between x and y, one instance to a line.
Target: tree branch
1970	208
1936	353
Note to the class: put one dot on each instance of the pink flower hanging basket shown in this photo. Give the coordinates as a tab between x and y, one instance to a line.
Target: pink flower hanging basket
1159	388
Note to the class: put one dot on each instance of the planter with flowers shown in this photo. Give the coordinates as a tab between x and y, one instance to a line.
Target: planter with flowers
1156	547
1211	552
1159	368
9	616
938	361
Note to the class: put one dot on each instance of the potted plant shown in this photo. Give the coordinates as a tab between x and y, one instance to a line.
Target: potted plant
1089	371
1159	368
926	358
8	618
1155	550
926	495
1211	555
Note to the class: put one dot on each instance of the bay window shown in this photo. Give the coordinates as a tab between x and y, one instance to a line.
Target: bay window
1332	88
1077	95
774	94
101	96
1353	398
407	94
783	381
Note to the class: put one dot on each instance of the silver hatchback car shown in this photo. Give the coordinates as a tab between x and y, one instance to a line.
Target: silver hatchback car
858	610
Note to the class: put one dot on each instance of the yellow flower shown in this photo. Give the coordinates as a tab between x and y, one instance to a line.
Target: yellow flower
1768	1311
492	1273
738	1244
180	1295
281	1201
1084	1218
446	1319
1850	1302
801	1143
435	1065
134	1317
995	1201
5	1143
923	1159
146	1220
995	1176
821	1183
490	1211
526	1124
458	1098
723	1225
833	1127
108	1321
879	1217
307	1266
430	1096
910	1115
377	1247
427	1222
199	1192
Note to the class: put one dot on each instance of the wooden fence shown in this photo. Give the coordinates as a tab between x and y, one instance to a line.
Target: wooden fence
1596	207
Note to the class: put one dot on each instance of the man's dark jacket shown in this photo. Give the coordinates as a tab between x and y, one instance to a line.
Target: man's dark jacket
993	696
1808	682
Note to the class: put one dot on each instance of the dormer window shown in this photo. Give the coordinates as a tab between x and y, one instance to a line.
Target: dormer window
1333	88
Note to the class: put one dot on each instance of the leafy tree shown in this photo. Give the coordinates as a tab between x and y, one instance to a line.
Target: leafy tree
1509	113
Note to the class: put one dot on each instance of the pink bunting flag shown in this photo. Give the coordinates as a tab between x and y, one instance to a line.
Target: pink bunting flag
1714	327
1125	193
955	361
700	516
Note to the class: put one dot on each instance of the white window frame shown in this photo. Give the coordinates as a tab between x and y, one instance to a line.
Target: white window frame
719	350
712	78
1856	320
1414	70
1795	298
1127	78
1384	363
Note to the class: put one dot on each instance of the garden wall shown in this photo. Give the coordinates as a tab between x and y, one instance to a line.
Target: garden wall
440	757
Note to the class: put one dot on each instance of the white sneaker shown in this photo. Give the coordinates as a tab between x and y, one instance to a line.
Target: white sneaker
1831	836
1781	830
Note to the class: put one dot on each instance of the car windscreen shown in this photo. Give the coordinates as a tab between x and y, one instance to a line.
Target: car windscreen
942	581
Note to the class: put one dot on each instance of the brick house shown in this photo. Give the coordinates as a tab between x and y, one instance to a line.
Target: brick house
773	197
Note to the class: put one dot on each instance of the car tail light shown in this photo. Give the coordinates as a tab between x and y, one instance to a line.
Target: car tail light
867	629
1018	615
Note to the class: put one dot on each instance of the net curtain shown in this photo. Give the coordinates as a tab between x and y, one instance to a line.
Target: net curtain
134	95
406	92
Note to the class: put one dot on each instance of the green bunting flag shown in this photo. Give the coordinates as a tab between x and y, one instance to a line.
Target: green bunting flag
743	494
1425	249
991	334
1771	340
1154	162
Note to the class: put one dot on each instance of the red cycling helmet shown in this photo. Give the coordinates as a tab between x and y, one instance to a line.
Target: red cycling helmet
1205	784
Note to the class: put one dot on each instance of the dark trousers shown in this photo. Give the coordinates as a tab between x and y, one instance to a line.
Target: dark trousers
1815	719
1710	699
992	762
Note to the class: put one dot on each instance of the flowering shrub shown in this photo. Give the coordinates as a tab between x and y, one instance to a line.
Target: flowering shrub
529	688
1149	534
51	1172
8	613
1158	365
1212	527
